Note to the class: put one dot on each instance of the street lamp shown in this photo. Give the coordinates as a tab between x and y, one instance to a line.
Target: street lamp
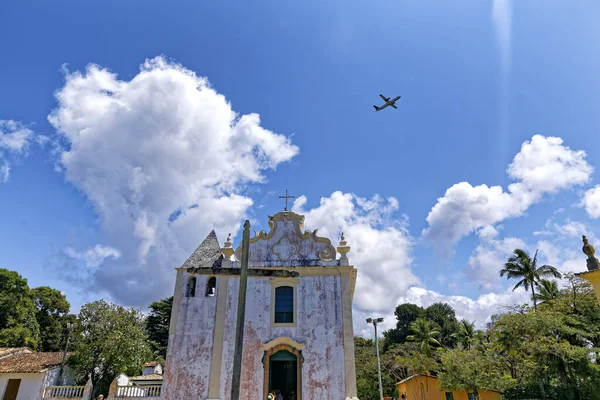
376	321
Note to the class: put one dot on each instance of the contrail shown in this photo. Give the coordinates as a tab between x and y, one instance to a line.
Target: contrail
502	20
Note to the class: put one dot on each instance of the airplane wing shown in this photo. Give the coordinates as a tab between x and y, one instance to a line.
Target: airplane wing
393	105
384	98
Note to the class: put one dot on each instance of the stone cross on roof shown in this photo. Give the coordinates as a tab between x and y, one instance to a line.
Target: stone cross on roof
286	197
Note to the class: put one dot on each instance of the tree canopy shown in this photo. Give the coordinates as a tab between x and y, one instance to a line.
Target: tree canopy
111	340
52	307
18	324
157	325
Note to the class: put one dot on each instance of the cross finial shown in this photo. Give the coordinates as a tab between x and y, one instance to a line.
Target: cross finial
286	197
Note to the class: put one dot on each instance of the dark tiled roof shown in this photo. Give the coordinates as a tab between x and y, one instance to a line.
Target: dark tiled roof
150	364
151	377
7	351
30	362
207	255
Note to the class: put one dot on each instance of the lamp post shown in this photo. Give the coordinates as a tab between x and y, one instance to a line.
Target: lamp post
376	321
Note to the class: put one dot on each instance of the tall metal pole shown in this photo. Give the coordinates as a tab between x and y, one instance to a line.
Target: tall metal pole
375	321
241	316
378	360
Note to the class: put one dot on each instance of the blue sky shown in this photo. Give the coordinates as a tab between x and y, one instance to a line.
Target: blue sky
477	82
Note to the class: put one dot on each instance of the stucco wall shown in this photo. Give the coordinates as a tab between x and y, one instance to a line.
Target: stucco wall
30	388
319	328
189	353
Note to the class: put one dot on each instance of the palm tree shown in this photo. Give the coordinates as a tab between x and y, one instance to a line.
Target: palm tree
548	290
466	333
423	334
521	266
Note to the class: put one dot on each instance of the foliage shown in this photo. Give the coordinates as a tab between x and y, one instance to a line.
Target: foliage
548	291
51	306
157	325
111	340
424	335
18	325
466	334
367	382
407	359
406	314
521	266
444	318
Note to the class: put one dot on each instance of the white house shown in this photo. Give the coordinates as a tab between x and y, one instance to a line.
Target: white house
24	375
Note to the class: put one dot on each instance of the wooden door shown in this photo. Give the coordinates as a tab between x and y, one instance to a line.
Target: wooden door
12	389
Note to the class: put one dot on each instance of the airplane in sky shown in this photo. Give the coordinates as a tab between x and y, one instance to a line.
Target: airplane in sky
388	102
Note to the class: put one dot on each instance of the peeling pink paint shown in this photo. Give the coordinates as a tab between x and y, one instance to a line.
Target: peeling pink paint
319	328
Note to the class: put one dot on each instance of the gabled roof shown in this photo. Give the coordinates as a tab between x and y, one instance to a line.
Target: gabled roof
151	364
150	377
414	376
30	362
207	255
436	378
8	351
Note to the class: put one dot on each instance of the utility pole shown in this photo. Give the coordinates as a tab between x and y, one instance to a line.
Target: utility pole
375	321
241	316
64	358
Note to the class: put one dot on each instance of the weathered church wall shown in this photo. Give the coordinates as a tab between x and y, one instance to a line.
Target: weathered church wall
189	353
319	328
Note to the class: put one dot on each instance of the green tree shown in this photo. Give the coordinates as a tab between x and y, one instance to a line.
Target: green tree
157	325
468	370
423	335
367	383
548	291
52	306
110	340
18	326
406	359
466	334
406	314
521	266
444	318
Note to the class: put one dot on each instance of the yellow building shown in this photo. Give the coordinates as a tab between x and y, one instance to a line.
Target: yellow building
427	387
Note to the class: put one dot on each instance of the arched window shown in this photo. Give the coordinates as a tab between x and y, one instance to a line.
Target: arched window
191	287
284	305
211	286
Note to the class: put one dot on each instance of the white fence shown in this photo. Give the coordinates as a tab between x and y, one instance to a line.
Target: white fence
138	391
64	392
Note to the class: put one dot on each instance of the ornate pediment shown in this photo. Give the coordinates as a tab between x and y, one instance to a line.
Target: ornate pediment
287	246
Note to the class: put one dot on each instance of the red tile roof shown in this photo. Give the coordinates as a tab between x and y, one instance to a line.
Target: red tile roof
30	362
151	377
150	364
7	351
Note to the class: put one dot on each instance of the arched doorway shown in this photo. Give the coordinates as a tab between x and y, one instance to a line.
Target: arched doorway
283	374
283	368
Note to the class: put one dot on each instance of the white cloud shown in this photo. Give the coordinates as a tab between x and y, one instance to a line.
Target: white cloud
479	310
542	166
162	157
485	263
14	140
93	256
380	245
591	202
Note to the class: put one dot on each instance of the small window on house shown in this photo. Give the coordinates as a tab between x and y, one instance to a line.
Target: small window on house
471	396
211	286
284	305
449	396
191	287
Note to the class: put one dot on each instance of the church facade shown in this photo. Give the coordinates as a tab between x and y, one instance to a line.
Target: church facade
298	336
